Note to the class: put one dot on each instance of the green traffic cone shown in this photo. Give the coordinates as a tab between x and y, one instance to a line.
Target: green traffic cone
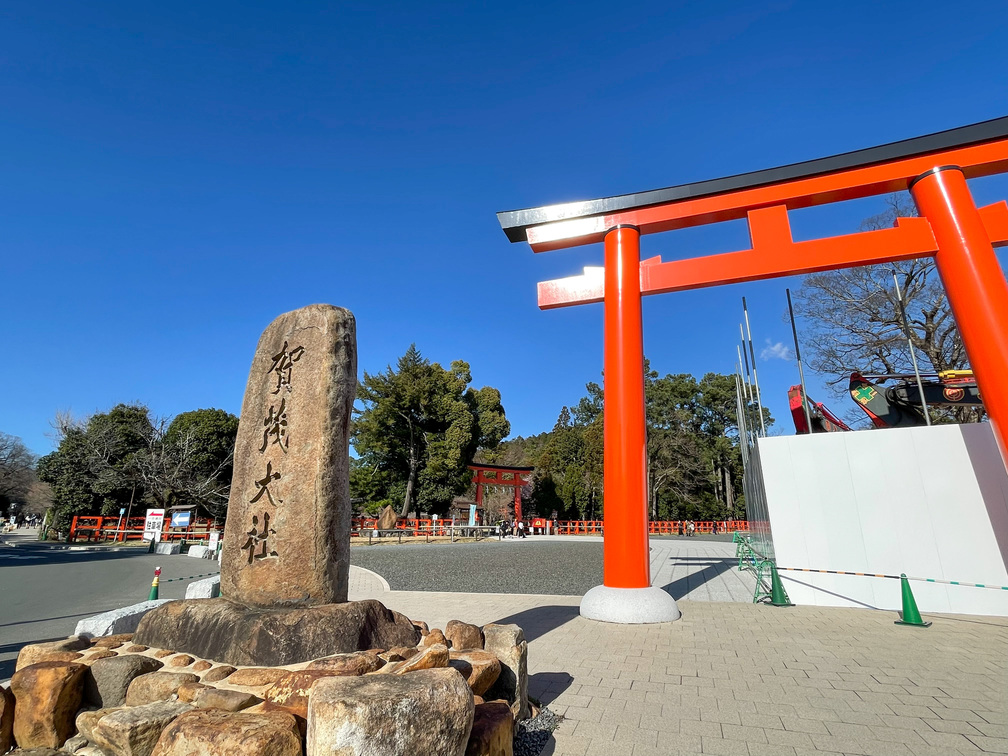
778	596
154	585
910	615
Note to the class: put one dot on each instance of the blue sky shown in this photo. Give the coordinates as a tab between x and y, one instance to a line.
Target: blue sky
174	176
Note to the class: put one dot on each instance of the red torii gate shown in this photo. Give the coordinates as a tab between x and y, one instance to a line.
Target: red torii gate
515	480
959	236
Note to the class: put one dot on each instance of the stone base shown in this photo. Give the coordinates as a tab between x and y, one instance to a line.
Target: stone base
229	632
203	589
117	621
629	606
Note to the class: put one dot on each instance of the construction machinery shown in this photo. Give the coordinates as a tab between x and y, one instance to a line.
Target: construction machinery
901	406
896	406
823	421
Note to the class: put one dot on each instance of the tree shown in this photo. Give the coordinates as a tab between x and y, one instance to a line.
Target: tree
17	473
121	458
418	429
693	455
853	321
39	499
96	467
191	460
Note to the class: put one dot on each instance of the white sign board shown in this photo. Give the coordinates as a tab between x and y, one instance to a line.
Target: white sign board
214	540
153	524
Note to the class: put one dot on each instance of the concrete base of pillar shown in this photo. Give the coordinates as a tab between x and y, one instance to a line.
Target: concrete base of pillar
629	606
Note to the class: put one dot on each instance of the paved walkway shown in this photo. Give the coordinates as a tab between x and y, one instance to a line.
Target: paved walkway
739	678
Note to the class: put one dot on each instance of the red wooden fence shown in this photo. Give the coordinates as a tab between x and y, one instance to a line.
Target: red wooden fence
115	529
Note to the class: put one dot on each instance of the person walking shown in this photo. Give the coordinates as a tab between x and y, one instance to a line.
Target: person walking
521	528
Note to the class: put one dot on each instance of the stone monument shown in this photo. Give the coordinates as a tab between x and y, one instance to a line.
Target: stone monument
287	539
285	564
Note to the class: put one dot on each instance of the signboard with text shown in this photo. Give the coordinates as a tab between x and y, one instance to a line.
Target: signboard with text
153	524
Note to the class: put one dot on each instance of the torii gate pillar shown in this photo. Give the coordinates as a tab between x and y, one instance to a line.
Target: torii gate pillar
626	595
974	283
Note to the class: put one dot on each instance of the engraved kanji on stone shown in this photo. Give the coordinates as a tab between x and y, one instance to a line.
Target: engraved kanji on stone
283	364
258	539
263	486
275	425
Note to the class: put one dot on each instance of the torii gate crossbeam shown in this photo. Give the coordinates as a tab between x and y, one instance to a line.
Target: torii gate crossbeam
961	238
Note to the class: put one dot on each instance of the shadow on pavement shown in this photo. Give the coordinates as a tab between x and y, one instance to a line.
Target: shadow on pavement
88	613
546	686
539	620
48	555
712	569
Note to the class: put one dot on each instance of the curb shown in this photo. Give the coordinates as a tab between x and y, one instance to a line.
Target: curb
374	574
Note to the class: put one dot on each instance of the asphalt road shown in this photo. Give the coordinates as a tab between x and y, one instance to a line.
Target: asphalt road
44	591
491	566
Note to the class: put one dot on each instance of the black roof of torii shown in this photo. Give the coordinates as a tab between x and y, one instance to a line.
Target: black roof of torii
515	223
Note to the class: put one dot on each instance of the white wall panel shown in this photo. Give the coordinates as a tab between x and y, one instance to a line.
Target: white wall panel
928	502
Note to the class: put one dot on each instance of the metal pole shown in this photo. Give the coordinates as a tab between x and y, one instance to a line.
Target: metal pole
738	350
743	431
913	352
801	373
748	380
752	354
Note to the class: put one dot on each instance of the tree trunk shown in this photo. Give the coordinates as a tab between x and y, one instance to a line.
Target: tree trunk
729	494
411	481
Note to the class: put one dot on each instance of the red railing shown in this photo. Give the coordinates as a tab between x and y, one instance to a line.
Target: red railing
113	528
419	527
120	529
416	527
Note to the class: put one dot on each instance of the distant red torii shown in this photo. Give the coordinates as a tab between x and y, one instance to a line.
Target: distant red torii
515	479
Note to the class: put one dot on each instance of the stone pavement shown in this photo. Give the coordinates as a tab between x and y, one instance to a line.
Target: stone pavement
739	678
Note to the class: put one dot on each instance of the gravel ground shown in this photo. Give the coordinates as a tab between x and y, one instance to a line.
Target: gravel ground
531	735
491	566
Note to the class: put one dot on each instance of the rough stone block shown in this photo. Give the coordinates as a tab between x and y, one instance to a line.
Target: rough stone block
480	668
156	686
225	700
425	712
168	548
47	696
106	683
356	663
432	657
492	731
201	552
253	677
118	621
6	720
463	635
88	720
291	692
135	731
113	641
218	673
507	643
210	732
205	588
52	651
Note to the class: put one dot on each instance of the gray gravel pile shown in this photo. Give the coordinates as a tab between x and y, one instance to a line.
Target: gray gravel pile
545	567
531	735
